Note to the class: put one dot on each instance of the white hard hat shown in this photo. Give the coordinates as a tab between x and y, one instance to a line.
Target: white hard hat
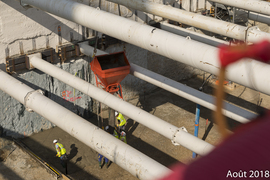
106	128
116	113
55	141
123	133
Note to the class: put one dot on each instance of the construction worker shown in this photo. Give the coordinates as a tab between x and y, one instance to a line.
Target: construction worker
121	121
123	137
61	152
100	156
115	133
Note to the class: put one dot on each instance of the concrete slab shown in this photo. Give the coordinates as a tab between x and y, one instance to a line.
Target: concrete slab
18	165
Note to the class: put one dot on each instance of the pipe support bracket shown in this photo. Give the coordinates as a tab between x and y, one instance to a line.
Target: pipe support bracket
26	98
174	135
24	5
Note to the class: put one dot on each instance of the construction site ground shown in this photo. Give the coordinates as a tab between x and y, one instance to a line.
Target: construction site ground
83	161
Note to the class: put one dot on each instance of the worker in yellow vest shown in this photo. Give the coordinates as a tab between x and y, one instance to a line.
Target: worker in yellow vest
61	152
121	121
115	133
123	137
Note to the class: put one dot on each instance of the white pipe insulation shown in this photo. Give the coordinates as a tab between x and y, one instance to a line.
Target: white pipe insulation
179	89
250	73
104	143
258	6
175	134
203	22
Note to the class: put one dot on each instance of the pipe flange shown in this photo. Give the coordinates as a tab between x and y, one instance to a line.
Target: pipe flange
174	135
26	98
250	29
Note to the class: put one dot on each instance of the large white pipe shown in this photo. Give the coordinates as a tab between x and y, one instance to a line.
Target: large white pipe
249	73
177	135
259	17
192	35
191	94
179	89
117	151
203	22
258	6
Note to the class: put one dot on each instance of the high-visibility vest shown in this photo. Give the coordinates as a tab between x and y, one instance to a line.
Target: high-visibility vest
62	150
115	134
122	120
123	138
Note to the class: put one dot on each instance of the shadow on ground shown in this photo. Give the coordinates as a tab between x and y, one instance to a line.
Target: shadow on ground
5	151
49	156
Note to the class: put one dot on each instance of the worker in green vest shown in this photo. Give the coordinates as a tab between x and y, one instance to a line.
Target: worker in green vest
123	137
121	121
61	152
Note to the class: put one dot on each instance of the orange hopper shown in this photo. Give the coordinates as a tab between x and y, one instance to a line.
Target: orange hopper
111	69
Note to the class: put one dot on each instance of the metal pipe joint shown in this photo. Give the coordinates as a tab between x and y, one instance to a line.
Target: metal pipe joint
27	97
174	141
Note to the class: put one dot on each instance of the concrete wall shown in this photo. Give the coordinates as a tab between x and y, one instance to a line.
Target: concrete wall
18	122
18	24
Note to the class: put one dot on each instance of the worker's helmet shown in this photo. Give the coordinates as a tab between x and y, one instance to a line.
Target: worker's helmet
116	113
55	141
123	133
106	128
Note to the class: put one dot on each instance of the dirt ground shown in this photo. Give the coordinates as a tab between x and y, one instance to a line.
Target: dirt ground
83	163
17	164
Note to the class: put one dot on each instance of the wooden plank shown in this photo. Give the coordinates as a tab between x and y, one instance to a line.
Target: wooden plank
48	52
18	67
17	60
70	48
